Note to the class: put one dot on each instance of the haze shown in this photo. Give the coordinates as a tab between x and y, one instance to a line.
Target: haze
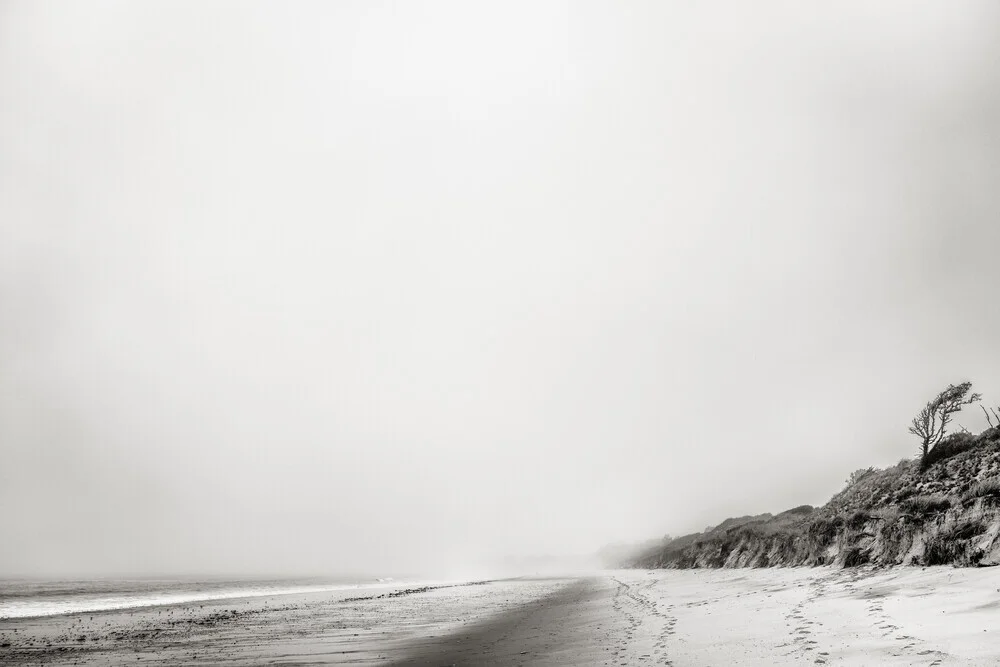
372	287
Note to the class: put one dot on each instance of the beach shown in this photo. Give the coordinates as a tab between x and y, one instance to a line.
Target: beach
779	616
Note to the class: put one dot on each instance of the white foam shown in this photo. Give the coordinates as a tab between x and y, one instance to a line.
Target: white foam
74	604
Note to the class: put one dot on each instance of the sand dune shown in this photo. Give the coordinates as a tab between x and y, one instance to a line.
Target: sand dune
791	616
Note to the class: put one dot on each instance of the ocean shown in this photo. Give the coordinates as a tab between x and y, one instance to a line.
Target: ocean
24	598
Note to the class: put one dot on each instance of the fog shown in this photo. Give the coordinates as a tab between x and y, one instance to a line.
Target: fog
427	287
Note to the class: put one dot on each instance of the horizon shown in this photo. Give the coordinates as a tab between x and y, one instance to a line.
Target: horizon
316	288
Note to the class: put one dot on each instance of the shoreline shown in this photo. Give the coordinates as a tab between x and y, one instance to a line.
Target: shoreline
234	595
333	627
777	616
392	590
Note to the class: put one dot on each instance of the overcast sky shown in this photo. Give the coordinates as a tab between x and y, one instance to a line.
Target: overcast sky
336	287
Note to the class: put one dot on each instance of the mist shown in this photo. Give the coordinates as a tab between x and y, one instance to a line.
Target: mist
399	287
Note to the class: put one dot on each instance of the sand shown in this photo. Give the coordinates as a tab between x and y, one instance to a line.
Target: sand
781	616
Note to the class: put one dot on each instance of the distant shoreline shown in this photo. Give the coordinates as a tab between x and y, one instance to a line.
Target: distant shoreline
24	605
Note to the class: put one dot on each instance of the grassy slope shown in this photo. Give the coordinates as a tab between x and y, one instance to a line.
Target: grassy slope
948	513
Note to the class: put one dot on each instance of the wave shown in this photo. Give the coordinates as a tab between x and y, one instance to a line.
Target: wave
19	599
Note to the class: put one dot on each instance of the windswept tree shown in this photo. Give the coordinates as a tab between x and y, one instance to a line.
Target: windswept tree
931	423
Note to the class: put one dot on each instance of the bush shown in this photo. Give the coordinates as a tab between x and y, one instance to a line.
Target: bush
941	552
887	515
823	531
954	444
855	557
800	511
924	505
991	434
857	520
988	488
858	475
954	548
872	490
968	530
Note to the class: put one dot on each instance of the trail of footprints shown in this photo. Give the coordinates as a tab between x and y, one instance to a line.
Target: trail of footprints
636	607
875	610
801	627
882	621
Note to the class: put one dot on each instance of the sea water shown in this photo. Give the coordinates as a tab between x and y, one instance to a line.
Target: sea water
23	598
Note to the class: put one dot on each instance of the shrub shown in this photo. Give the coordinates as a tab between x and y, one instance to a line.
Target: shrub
990	434
954	444
888	515
796	512
988	488
954	547
823	531
855	557
967	530
924	505
872	490
857	520
941	552
858	475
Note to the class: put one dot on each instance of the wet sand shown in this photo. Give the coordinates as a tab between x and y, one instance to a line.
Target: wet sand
800	616
343	627
570	626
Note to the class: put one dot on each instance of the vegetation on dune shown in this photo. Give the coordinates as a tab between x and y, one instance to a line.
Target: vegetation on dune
943	507
988	488
931	423
925	505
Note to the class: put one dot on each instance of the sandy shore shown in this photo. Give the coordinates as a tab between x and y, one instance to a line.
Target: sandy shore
904	616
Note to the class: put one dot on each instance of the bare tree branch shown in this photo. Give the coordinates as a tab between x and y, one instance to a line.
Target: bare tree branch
989	418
